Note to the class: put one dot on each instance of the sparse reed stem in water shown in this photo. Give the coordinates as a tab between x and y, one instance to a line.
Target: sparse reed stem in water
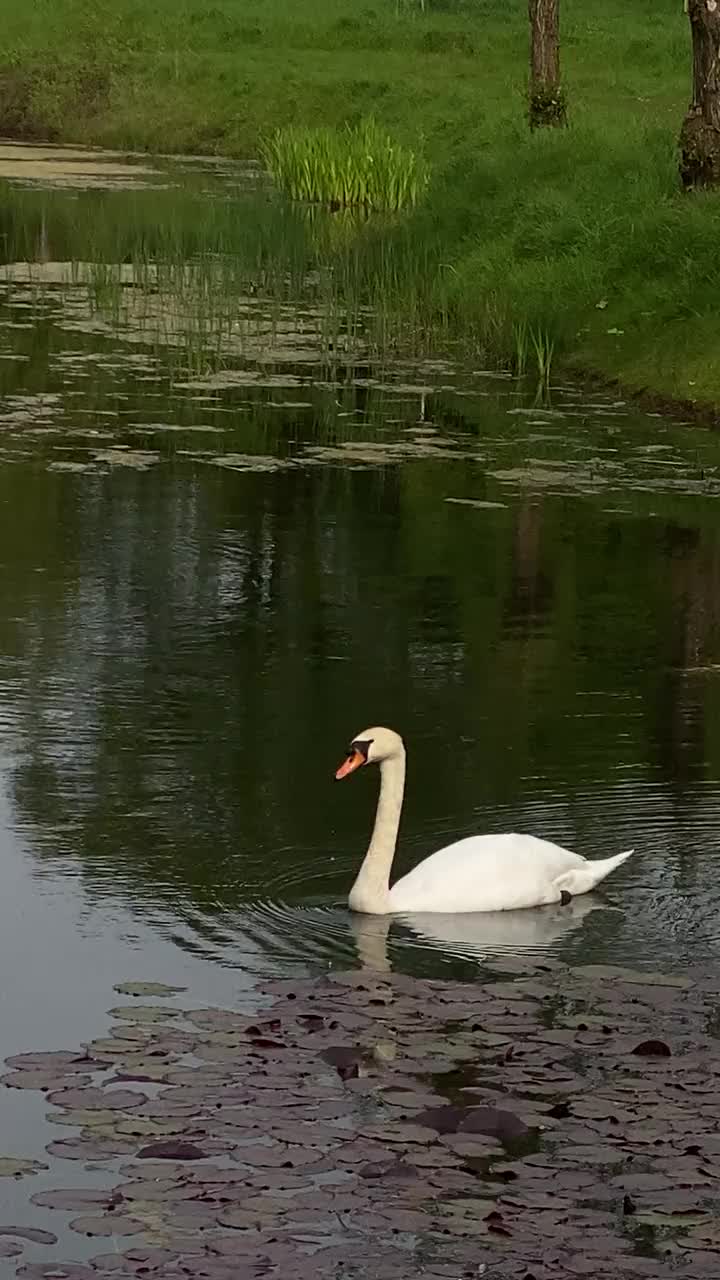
520	335
544	349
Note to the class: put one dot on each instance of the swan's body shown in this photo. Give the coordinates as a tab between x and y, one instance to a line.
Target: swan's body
480	873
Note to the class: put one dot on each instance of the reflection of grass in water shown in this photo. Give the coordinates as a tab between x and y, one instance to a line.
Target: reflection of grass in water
203	313
597	220
195	270
353	285
253	230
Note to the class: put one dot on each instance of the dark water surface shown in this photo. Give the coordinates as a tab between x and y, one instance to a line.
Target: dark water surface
212	576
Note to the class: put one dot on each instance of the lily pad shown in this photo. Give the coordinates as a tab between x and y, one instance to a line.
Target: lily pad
172	1150
71	1198
127	1039
144	1013
62	1063
90	1148
481	503
10	1249
12	1167
81	1118
652	1049
111	1224
56	1271
139	989
34	1234
278	1163
139	459
144	1127
656	1218
28	1079
98	1099
145	1072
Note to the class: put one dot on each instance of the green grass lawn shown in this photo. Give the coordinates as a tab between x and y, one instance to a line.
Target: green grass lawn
582	234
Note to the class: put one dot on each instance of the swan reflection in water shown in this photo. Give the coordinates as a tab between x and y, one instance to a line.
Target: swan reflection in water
474	935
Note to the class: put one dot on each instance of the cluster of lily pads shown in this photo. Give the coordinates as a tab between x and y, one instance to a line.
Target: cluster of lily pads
552	1124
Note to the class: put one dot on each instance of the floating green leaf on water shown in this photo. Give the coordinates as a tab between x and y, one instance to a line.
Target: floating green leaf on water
248	462
303	1147
35	1235
71	1199
144	1013
98	1099
87	1147
674	1221
113	1224
81	1118
29	1079
177	429
481	503
14	1167
144	1127
138	459
78	467
635	977
147	989
113	1046
172	1150
55	1271
147	1070
62	1062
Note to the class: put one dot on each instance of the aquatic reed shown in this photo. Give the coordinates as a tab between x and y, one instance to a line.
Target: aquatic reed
544	350
583	234
360	166
520	337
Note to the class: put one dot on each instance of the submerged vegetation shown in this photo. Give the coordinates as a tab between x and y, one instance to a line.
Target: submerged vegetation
345	167
581	234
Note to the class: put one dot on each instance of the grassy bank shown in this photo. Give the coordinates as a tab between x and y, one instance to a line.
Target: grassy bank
581	235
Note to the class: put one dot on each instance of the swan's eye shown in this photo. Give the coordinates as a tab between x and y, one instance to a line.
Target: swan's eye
362	745
356	757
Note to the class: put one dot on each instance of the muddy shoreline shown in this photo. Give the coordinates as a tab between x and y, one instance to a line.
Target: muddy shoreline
703	412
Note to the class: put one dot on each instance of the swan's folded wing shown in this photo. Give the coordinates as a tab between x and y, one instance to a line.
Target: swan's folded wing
486	873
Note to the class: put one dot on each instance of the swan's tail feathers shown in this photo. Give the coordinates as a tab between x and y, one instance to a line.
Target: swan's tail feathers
583	879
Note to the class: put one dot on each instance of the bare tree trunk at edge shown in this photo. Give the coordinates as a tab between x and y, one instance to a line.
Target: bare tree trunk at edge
547	100
700	134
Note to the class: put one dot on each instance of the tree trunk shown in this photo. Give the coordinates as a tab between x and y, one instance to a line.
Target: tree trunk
547	100
700	134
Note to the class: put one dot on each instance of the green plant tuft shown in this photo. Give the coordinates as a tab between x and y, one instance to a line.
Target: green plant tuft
360	166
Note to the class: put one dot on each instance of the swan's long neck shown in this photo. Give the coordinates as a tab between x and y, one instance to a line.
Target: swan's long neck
370	892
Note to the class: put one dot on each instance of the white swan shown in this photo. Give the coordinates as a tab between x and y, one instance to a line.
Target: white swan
480	873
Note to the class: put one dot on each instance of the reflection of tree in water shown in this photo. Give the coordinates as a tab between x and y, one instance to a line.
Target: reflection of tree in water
531	598
184	659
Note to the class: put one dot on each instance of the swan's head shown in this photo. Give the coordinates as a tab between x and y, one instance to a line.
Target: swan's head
372	746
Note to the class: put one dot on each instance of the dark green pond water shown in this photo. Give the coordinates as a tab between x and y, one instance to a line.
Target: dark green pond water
213	573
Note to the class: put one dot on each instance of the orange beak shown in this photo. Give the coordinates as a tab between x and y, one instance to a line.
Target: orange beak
352	763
